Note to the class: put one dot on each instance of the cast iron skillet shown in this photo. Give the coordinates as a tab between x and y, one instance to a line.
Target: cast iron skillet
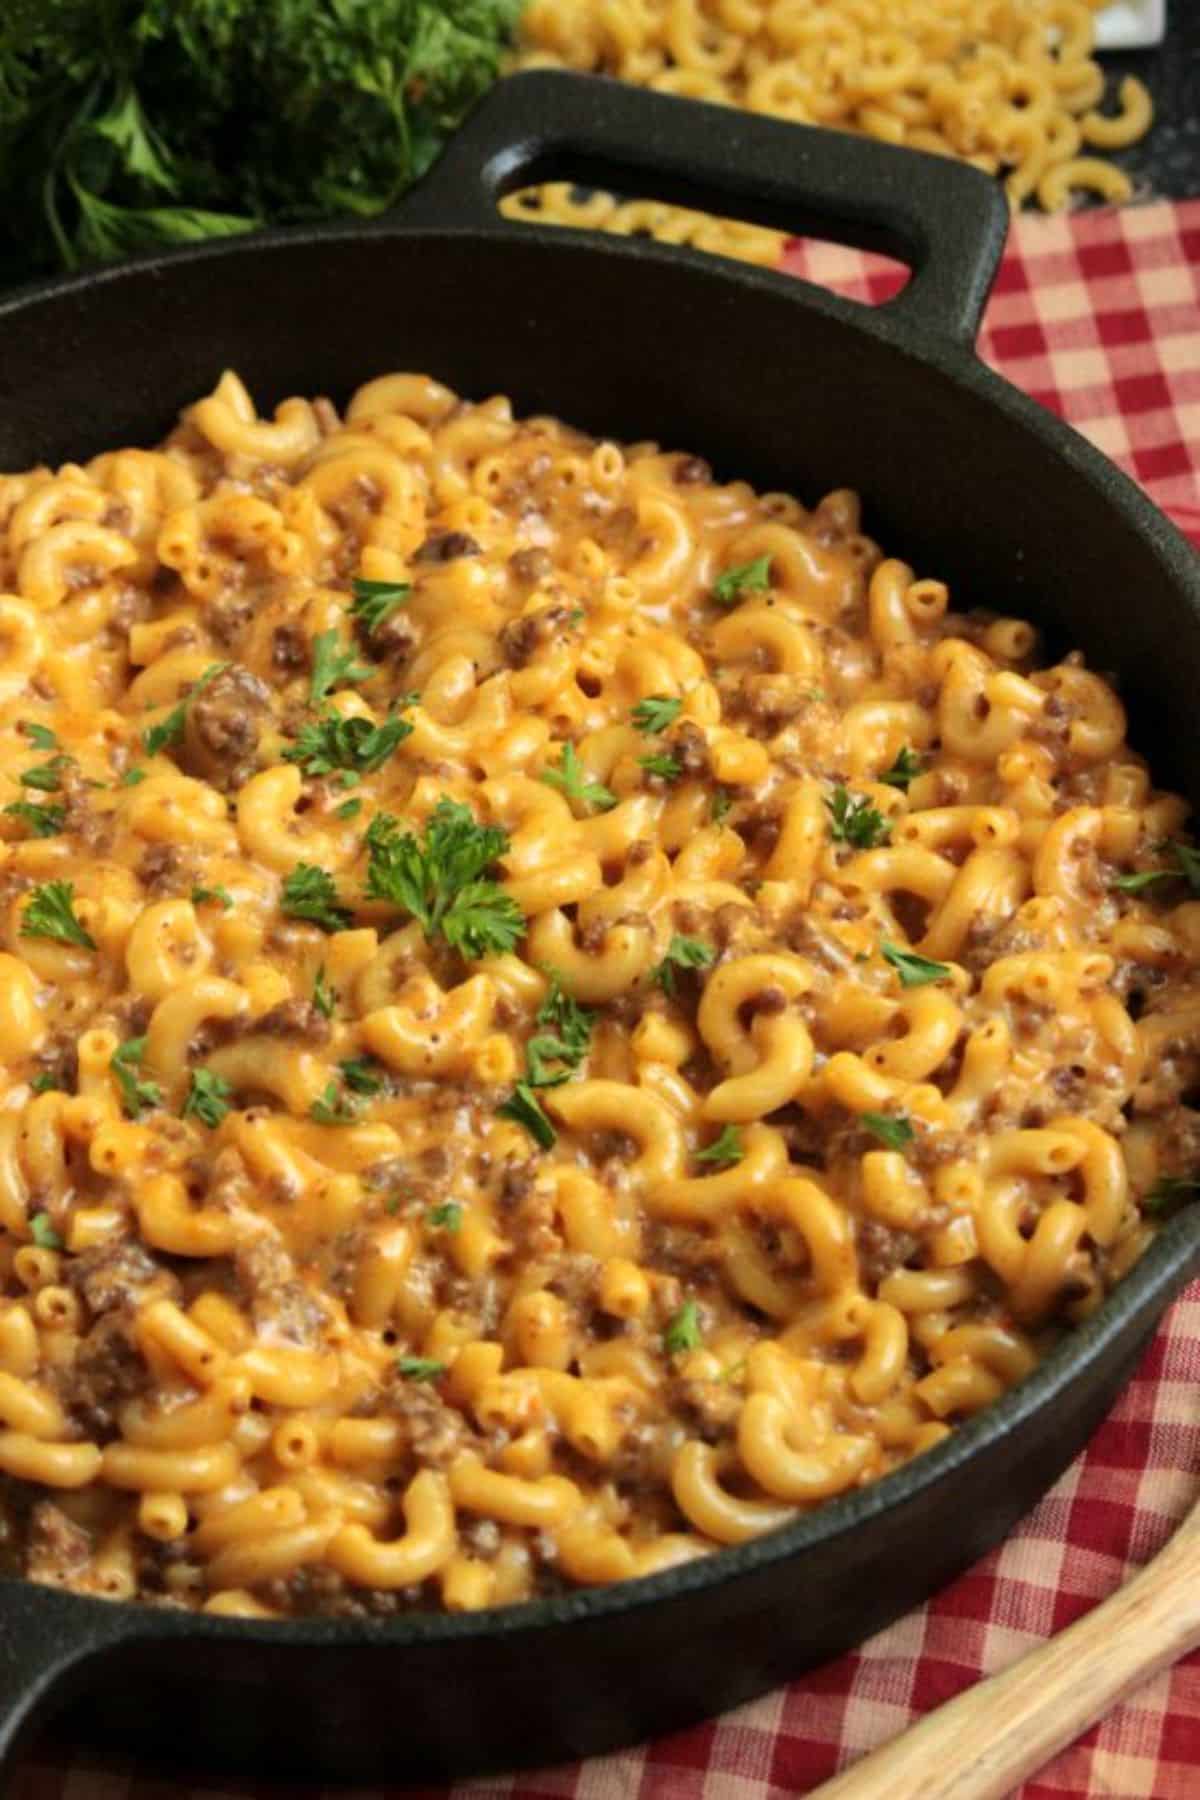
773	380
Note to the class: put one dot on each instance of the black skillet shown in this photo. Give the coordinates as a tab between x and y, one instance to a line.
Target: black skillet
776	381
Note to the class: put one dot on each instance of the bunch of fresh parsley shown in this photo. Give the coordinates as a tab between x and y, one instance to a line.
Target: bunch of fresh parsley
126	125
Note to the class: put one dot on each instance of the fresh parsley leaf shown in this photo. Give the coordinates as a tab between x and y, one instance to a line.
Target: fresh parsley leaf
565	1040
349	809
333	742
669	767
43	821
40	736
913	970
375	601
1143	878
570	779
47	776
1186	867
360	1074
447	1217
46	1083
569	1021
440	879
131	777
894	1132
720	806
207	1098
656	712
1169	1193
333	667
724	1150
524	1108
853	820
309	893
682	953
43	1232
136	1094
332	1108
170	729
905	769
50	913
420	1368
323	996
201	896
746	578
683	1329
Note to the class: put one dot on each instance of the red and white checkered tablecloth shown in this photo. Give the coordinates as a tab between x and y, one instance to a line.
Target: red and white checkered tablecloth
1097	316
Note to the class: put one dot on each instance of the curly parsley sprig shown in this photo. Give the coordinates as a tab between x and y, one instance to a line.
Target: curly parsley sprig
441	879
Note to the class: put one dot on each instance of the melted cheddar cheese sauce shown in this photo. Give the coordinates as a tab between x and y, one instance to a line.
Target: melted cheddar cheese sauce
555	1012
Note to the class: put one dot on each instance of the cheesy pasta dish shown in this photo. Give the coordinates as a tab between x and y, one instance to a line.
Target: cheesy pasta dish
557	1011
1011	86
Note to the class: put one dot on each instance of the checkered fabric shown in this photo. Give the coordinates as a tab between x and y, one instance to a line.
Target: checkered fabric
1097	316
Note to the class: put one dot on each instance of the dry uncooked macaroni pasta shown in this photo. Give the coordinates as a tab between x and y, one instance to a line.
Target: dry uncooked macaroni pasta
556	1012
1011	86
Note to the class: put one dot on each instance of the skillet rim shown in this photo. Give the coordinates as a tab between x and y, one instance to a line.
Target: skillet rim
1163	1269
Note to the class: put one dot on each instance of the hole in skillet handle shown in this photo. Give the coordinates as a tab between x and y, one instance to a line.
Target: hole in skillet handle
943	220
49	1642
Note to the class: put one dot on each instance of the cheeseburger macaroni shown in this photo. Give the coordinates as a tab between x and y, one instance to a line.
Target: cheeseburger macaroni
1012	86
556	1012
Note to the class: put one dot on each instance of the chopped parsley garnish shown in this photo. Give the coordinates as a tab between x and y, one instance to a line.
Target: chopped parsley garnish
309	893
323	996
441	880
420	1368
375	601
746	578
1169	1193
913	970
333	1108
853	820
333	667
46	1083
47	776
207	1098
170	729
904	770
720	806
682	953
136	1094
556	1052
43	821
683	1329
524	1108
894	1132
447	1217
131	777
43	1232
669	767
361	1075
724	1150
202	896
570	778
1186	868
40	736
50	913
349	809
656	712
333	742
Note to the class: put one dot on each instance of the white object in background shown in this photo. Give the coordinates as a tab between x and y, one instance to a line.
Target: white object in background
1132	25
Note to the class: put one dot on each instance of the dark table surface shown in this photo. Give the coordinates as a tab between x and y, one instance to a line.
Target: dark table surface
1167	162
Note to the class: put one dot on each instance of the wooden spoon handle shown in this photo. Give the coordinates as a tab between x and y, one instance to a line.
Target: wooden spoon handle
981	1745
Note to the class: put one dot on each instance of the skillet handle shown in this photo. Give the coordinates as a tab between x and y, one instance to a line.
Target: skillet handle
946	221
47	1643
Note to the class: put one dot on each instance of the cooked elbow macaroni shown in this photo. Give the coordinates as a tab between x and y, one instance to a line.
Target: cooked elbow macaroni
1013	88
809	1041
